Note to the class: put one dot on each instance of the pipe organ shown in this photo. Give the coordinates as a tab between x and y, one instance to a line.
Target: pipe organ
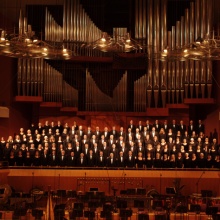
162	83
30	77
172	79
96	100
36	77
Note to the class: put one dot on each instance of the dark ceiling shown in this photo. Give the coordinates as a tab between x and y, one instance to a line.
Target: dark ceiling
106	14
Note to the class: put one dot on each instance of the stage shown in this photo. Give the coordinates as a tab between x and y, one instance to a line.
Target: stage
112	181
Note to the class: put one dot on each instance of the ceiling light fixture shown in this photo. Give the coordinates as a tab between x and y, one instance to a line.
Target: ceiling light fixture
118	43
24	44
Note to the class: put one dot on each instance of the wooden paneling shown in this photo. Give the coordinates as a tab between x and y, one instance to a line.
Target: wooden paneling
199	101
105	179
51	104
28	99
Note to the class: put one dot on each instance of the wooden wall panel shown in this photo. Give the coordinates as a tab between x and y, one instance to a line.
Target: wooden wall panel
82	180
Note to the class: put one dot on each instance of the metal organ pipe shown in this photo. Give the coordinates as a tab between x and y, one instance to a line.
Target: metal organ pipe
209	6
173	86
182	28
203	19
64	20
192	23
177	80
28	79
169	39
150	27
181	81
140	19
46	25
156	26
144	21
163	32
19	75
156	45
197	19
149	43
178	34
32	76
68	21
136	19
164	44
187	27
173	45
37	81
21	23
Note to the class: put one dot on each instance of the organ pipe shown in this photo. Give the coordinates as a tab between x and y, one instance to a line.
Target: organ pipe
150	27
192	23
19	75
182	27
202	78
28	79
34	76
173	44
163	25
31	76
140	25
187	27
136	19
203	19
178	34
24	79
209	6
197	20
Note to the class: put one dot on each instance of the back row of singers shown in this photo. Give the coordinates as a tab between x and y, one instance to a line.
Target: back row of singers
198	127
142	127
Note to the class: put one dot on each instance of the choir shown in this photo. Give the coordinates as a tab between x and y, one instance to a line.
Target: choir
142	146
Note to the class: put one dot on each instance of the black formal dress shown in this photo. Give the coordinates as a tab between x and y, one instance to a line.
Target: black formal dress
140	163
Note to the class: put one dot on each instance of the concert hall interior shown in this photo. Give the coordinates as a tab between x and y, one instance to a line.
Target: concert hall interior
145	72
